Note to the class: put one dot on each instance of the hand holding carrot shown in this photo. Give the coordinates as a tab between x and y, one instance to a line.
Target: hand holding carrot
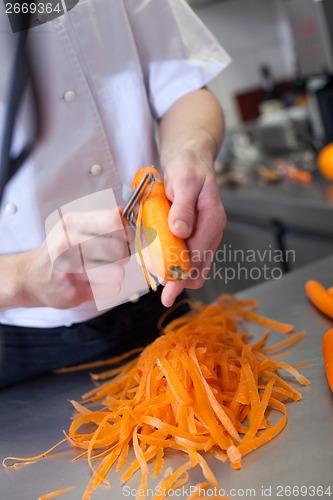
196	215
191	134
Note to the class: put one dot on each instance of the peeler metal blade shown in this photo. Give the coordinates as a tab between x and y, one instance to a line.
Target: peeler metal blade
130	211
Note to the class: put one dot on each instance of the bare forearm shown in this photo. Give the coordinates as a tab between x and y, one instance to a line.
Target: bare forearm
194	123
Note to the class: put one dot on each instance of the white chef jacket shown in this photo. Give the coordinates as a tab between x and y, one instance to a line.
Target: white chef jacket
107	69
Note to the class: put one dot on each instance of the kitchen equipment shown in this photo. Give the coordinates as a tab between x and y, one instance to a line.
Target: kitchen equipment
312	29
283	131
320	97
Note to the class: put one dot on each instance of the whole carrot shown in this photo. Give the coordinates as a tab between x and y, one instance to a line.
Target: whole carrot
327	348
320	297
168	253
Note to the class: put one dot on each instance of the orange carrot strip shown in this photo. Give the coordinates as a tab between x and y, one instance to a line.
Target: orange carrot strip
260	415
34	458
122	460
247	303
55	493
319	297
113	372
204	402
262	342
102	362
169	481
242	394
296	337
142	462
159	462
252	388
220	455
300	378
262	320
173	430
141	253
280	391
235	457
327	348
103	468
176	386
93	441
148	455
269	434
207	472
80	408
282	383
221	415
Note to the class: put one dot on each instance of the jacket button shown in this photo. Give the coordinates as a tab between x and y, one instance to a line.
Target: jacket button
10	208
96	169
69	96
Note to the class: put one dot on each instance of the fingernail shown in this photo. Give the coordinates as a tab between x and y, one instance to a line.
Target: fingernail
181	226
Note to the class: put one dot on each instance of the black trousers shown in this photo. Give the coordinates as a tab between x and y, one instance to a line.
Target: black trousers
29	352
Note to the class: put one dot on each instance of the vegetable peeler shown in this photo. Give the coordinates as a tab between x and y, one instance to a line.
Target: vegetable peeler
164	262
130	211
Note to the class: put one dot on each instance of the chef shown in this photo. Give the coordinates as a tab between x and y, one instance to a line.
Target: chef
111	74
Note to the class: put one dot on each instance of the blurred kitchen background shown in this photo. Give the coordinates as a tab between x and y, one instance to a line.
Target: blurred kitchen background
277	95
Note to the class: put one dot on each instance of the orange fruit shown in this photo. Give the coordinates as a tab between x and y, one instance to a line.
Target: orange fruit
325	161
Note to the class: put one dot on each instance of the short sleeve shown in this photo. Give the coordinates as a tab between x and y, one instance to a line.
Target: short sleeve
178	53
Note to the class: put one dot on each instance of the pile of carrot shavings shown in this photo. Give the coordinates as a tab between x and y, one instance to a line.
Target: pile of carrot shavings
200	387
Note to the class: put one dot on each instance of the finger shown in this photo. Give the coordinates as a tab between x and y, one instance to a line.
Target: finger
199	270
185	191
101	250
104	293
201	262
171	291
106	283
91	253
207	236
202	258
110	274
211	217
80	226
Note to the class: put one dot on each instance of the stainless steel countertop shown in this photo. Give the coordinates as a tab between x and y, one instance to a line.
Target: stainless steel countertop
33	415
303	207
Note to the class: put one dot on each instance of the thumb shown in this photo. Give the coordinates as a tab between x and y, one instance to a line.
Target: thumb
182	211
